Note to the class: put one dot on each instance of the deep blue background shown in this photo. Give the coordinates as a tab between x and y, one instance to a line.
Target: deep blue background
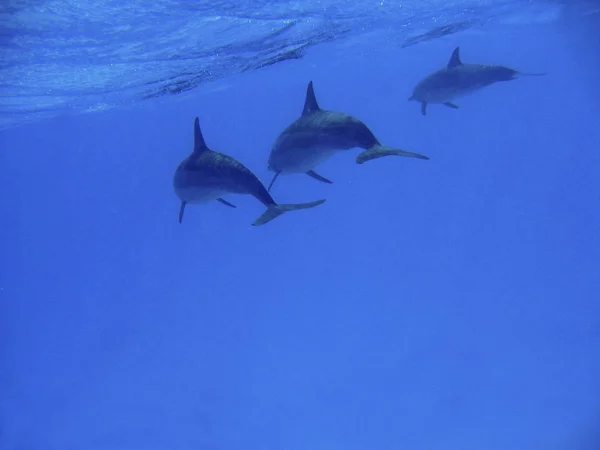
449	303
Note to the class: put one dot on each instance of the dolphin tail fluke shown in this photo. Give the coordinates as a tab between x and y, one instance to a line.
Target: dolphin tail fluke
273	181
379	151
275	210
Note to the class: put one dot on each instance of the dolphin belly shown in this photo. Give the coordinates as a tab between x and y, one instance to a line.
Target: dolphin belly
442	95
197	195
449	85
439	95
300	160
203	186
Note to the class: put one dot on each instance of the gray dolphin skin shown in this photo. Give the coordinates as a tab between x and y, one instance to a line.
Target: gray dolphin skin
206	175
458	79
317	134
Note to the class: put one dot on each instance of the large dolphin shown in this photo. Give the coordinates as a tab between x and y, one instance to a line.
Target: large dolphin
458	79
207	175
317	134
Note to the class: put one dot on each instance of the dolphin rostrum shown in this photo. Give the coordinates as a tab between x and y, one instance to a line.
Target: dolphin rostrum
458	79
207	175
317	134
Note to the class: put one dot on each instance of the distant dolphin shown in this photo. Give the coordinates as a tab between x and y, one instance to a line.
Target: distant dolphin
317	134
458	79
207	175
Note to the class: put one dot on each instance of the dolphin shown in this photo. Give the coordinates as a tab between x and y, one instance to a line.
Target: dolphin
458	79
317	134
207	175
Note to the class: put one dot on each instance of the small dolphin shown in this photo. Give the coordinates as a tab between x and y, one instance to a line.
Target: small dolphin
207	175
317	134
458	79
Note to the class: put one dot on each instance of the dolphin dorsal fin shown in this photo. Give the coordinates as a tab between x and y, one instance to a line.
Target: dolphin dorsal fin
310	104
199	144
455	59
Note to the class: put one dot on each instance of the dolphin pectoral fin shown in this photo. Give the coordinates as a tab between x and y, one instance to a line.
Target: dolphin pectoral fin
273	181
424	108
316	176
275	210
181	210
532	74
378	151
451	105
226	203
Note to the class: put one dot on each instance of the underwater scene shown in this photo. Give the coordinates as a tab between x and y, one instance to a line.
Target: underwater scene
307	225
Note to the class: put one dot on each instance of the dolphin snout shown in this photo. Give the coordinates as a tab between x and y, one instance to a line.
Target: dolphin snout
276	160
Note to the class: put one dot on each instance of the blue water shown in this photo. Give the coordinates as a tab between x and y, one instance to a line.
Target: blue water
427	305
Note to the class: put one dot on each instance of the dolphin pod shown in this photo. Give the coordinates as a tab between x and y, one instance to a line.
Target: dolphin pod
206	175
